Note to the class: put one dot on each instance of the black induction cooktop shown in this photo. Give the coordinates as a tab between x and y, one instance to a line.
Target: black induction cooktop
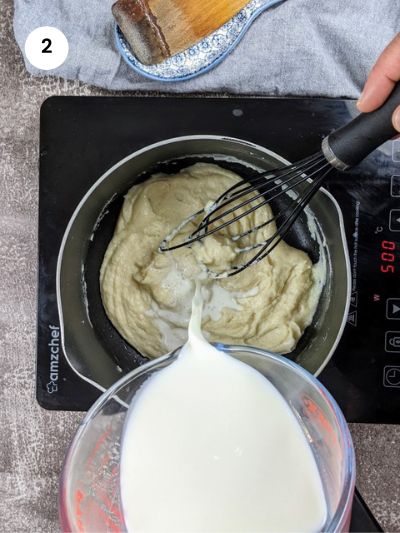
82	137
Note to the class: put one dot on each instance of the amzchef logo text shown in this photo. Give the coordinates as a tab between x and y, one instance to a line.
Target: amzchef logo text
54	347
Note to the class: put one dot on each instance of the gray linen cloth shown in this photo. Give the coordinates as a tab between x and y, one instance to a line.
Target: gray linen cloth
300	47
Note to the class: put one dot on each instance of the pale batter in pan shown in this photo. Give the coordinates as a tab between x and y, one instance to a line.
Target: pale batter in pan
147	295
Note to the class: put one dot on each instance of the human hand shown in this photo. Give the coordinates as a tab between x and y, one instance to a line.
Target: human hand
381	81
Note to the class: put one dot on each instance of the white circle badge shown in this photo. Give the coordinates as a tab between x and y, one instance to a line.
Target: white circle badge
46	48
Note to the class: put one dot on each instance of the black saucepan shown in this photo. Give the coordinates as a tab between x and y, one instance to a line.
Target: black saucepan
93	347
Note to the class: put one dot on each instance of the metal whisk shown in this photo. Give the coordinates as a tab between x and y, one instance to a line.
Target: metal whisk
342	149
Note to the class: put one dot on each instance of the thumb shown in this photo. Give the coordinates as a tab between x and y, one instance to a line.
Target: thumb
396	119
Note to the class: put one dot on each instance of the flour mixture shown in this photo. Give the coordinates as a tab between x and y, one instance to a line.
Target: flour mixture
147	294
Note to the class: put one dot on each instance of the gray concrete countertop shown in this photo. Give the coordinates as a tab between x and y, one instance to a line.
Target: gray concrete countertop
33	441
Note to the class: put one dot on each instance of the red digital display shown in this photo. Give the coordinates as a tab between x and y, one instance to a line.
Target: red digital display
388	256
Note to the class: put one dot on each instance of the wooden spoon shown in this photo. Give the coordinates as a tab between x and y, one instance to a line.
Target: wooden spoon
158	29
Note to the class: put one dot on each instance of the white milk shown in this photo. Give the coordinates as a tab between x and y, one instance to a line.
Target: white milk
211	446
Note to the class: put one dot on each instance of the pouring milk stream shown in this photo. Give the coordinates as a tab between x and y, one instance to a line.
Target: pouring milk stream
210	445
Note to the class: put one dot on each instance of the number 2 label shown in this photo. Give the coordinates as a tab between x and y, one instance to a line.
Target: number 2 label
46	49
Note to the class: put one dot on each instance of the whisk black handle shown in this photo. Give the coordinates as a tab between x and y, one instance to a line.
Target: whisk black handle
350	144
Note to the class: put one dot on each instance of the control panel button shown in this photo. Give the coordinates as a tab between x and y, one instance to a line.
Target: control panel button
392	341
391	376
393	308
396	150
395	186
394	220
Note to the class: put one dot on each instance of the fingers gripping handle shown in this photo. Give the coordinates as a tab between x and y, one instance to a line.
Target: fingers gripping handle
350	144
